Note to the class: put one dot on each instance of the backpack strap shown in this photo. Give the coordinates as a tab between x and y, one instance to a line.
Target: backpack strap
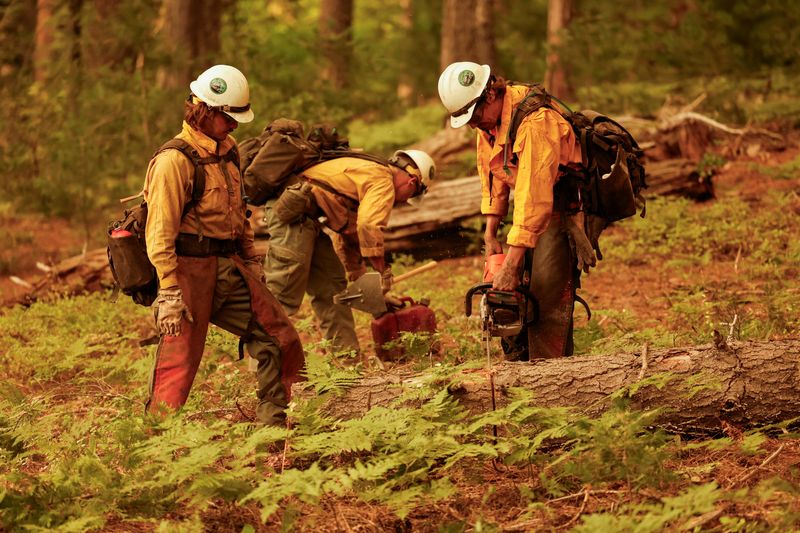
199	179
536	98
353	203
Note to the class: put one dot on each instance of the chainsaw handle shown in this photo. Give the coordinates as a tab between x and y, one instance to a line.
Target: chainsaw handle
419	270
485	287
480	287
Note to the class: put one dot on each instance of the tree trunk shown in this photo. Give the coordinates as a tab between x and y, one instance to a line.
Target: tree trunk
556	79
484	32
17	36
43	42
405	86
190	32
745	384
467	32
336	40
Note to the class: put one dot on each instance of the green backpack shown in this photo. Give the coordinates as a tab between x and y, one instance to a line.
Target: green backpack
271	161
612	175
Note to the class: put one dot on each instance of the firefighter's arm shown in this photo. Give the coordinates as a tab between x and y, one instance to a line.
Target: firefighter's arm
346	247
538	148
166	191
376	199
490	241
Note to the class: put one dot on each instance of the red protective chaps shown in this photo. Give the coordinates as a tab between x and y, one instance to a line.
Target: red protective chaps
553	278
178	357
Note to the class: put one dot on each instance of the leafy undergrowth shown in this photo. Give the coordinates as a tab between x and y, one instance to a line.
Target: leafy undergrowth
78	453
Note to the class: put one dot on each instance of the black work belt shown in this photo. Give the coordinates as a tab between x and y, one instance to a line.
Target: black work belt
191	245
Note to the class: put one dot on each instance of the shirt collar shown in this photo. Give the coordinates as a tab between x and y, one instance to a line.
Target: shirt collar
205	142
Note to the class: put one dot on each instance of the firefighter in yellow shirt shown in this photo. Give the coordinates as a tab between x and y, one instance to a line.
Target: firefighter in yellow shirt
203	253
545	140
353	198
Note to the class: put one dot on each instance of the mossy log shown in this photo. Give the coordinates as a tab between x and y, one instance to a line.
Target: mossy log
746	384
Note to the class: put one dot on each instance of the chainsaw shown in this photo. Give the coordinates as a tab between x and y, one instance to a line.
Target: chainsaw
504	314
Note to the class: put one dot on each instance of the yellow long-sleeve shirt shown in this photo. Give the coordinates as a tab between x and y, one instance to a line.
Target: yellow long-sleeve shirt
220	213
368	184
544	140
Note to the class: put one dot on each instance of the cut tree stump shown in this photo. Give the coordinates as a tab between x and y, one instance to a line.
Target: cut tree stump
746	384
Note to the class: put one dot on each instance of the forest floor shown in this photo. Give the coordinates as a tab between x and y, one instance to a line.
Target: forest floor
670	279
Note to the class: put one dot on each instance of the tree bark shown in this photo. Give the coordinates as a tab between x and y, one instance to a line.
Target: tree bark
746	384
190	32
43	41
467	32
556	79
17	36
336	40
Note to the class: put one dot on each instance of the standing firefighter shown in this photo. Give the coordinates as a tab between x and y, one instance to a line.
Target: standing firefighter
530	166
202	248
353	197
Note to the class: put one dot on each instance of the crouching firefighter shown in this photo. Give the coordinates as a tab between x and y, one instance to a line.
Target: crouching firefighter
353	197
530	165
201	245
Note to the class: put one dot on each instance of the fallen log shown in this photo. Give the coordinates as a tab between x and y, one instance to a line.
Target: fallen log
679	177
87	272
744	384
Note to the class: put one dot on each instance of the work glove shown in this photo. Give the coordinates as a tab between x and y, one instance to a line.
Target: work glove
386	279
169	310
581	245
256	265
594	227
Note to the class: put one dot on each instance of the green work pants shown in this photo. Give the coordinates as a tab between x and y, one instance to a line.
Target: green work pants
301	259
231	310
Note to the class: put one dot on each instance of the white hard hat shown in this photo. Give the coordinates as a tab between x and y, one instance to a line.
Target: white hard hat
224	88
460	86
424	172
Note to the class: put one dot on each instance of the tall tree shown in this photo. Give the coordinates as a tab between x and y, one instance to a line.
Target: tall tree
467	32
556	79
190	32
43	41
336	40
17	31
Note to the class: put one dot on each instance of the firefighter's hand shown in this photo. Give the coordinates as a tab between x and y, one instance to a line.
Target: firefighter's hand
357	273
492	245
393	303
169	311
507	278
387	280
256	266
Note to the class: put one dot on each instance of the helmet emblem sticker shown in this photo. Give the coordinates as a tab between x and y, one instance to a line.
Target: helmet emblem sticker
466	78
218	85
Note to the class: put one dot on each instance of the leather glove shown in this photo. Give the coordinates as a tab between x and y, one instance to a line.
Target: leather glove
169	310
256	266
581	245
386	279
594	226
